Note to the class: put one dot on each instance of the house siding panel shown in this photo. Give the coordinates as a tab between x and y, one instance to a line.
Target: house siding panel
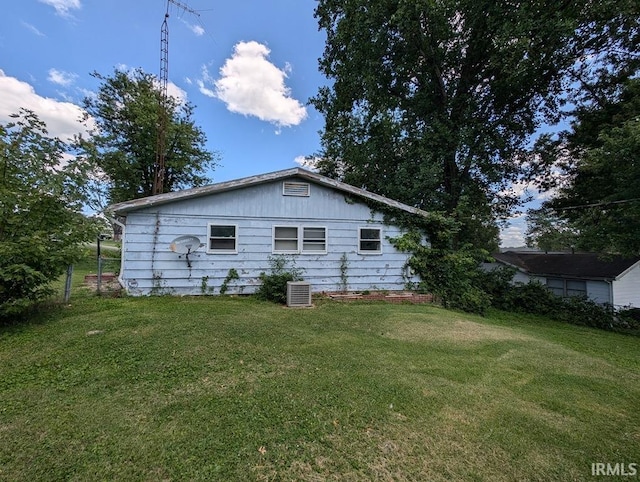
149	266
626	289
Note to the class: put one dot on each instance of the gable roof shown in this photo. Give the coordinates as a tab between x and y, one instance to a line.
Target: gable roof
578	265
124	207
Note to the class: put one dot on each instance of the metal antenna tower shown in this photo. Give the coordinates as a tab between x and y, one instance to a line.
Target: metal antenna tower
161	144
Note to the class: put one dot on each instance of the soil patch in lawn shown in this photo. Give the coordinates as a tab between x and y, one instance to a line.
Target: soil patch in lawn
108	282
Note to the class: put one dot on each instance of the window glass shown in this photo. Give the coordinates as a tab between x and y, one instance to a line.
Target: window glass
576	288
285	238
370	240
556	286
222	238
314	239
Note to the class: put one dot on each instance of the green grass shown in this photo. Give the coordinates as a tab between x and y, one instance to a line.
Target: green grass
223	388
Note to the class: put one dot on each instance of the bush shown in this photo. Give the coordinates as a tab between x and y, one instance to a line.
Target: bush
629	318
532	297
450	276
536	299
582	311
274	285
41	222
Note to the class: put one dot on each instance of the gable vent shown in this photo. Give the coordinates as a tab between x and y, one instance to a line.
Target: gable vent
298	293
291	188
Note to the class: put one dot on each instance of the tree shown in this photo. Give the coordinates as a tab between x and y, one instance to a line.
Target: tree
600	197
123	145
549	232
41	221
433	102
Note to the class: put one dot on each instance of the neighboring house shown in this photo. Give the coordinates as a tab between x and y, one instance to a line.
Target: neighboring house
611	280
327	228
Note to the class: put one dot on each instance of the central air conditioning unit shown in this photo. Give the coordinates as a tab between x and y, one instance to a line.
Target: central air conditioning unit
298	293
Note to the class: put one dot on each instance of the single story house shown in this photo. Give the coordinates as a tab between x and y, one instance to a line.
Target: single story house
611	280
198	240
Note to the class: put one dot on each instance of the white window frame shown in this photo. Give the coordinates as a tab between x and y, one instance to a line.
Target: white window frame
222	251
300	240
360	240
284	251
313	241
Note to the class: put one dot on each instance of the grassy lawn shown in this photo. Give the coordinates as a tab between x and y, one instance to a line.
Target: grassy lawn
236	389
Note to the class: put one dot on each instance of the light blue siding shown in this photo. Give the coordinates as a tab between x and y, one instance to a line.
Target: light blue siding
150	266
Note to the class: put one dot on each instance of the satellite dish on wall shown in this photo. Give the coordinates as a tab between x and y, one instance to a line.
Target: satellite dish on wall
185	245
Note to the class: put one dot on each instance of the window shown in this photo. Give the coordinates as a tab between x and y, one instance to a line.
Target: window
369	240
223	238
305	239
565	288
576	288
314	240
556	286
285	239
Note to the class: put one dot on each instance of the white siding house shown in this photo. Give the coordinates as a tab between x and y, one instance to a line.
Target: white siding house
325	228
611	280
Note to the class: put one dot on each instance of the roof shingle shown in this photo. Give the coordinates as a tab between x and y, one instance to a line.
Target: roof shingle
578	265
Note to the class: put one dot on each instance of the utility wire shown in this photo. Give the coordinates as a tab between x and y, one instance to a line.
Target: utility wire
607	203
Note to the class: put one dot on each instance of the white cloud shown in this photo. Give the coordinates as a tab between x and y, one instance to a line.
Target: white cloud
307	163
63	7
196	29
33	29
174	91
62	118
251	85
204	90
512	236
61	78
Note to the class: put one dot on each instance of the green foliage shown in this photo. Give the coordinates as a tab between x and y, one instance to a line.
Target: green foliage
536	299
599	200
629	317
344	269
41	224
451	276
231	276
531	297
548	232
433	103
274	284
123	147
582	311
204	285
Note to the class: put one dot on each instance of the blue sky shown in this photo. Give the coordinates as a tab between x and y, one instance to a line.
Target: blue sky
249	67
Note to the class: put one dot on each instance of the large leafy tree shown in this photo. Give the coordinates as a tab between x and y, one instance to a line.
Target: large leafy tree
41	220
126	110
433	102
548	232
599	159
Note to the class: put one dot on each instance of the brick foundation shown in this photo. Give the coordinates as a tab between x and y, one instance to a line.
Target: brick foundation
389	297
